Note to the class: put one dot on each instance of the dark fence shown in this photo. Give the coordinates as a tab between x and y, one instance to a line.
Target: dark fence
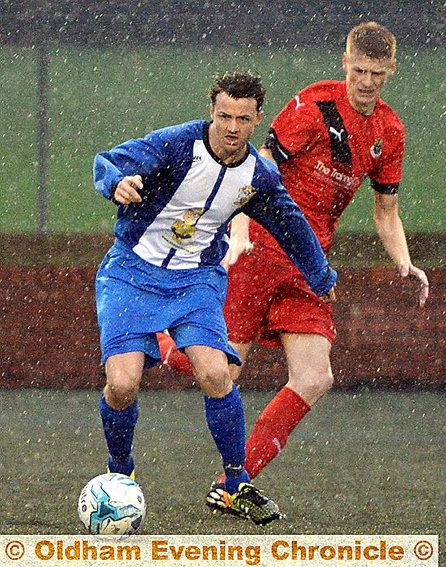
282	23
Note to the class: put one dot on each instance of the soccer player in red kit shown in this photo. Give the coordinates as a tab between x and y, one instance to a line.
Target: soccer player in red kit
326	141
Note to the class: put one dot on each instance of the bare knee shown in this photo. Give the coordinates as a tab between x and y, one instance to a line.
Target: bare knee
234	372
312	385
120	394
322	382
309	368
243	351
122	384
215	380
211	370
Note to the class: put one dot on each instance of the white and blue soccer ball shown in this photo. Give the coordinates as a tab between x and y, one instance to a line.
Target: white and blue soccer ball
112	504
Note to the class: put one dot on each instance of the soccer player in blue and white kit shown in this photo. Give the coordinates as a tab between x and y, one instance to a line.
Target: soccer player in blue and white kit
177	190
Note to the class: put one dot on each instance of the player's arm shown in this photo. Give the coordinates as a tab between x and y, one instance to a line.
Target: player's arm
239	239
239	242
267	153
273	208
391	233
119	172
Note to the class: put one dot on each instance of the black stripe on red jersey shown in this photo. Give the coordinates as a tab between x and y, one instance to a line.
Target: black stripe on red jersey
337	132
385	188
279	153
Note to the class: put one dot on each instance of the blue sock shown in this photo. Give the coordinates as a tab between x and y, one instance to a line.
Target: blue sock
226	421
119	427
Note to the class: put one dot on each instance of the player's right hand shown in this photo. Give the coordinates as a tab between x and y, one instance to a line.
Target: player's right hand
126	191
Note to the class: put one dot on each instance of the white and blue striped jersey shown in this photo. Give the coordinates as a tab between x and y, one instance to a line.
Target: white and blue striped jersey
189	198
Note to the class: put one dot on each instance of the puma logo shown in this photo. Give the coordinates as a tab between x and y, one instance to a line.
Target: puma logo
337	134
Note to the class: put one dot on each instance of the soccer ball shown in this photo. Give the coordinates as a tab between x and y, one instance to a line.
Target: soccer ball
112	504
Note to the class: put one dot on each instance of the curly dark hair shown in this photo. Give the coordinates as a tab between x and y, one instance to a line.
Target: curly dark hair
238	85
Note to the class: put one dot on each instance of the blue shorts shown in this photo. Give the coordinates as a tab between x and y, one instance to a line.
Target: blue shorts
135	300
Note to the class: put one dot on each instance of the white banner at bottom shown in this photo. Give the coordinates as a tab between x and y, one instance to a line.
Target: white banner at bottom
221	551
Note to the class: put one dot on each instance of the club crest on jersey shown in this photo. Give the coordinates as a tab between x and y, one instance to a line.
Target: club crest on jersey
377	149
245	193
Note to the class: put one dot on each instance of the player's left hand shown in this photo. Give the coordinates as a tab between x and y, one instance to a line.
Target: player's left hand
330	296
237	247
408	270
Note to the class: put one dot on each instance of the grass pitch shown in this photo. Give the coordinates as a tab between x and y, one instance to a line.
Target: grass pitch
360	463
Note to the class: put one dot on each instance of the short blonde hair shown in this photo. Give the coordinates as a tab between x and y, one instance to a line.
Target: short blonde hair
372	40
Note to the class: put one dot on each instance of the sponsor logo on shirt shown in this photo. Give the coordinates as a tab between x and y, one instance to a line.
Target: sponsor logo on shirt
298	103
336	175
182	231
336	133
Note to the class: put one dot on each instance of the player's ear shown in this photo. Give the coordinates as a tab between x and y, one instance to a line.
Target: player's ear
392	69
344	62
212	110
260	116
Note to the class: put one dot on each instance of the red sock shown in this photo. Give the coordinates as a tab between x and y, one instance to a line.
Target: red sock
171	356
272	429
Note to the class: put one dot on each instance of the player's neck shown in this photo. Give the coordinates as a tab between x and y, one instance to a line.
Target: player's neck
227	155
364	109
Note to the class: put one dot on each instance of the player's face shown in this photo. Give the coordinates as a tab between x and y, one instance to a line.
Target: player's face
365	78
233	122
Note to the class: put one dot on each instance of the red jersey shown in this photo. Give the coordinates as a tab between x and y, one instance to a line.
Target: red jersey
325	149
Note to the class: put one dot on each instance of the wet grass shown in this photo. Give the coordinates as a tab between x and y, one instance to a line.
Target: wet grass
361	463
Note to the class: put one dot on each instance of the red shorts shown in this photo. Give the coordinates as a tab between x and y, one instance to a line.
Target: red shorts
267	295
